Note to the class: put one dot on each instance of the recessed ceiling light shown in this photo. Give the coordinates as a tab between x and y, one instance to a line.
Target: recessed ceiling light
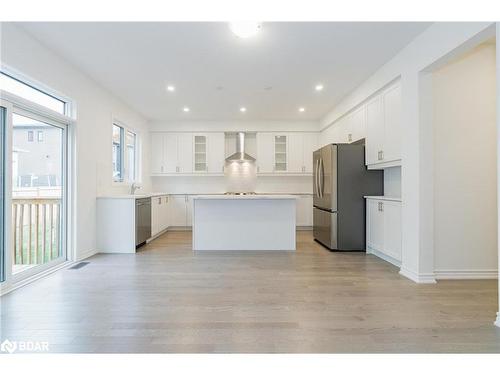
243	109
186	109
245	29
170	88
318	87
302	109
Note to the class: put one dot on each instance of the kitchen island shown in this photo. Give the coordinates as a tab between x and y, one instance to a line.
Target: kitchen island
244	222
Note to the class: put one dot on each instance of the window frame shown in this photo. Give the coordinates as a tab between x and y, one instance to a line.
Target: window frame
125	180
21	102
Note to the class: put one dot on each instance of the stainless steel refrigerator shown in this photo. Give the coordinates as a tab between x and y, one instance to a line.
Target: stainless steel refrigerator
340	181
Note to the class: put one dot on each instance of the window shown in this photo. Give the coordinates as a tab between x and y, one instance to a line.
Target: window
24	90
40	136
131	155
117	153
30	135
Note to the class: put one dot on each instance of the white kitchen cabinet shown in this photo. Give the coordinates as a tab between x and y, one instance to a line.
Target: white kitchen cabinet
159	214
180	210
310	141
383	229
170	153
185	153
157	153
383	127
177	210
304	210
216	148
374	131
280	153
300	152
356	125
200	150
265	152
392	117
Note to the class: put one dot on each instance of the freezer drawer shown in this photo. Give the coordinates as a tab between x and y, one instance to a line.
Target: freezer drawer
325	228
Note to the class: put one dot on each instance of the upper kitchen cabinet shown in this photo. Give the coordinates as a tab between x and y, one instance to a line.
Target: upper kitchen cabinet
286	153
300	150
356	125
383	123
187	153
265	152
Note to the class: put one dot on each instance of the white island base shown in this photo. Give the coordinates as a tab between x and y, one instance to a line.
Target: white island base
248	222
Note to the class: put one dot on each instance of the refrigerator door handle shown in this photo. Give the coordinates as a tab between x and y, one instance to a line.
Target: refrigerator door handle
316	176
321	178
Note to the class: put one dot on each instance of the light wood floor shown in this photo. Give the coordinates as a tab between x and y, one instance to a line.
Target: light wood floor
168	299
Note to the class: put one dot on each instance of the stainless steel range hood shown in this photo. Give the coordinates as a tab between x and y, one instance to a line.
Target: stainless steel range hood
240	154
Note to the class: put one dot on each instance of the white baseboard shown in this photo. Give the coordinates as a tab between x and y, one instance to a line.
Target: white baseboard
466	274
497	322
383	256
420	278
86	255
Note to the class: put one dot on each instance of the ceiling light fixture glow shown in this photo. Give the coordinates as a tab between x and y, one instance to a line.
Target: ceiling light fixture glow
170	88
245	29
243	109
186	109
319	87
302	109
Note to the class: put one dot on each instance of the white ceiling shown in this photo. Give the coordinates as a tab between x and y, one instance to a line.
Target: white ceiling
215	73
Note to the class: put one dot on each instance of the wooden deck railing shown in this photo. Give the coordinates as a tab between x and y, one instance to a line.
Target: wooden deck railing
36	229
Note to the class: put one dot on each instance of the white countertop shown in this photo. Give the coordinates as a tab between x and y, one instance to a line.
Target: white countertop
383	198
243	197
211	195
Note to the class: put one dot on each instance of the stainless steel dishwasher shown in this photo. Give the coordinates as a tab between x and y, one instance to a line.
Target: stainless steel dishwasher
142	221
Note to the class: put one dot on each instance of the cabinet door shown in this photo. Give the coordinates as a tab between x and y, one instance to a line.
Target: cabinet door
200	153
304	211
157	153
392	115
392	229
296	153
170	153
357	122
189	210
155	216
280	153
310	145
185	153
164	211
216	147
374	225
177	205
374	131
265	150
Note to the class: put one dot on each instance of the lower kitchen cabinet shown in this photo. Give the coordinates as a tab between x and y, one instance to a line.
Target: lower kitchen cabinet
304	210
180	210
159	214
383	229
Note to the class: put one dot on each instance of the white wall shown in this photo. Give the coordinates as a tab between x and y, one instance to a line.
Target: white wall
436	45
392	182
96	108
465	195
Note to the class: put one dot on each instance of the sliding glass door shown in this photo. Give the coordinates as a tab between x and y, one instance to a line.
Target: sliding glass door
38	199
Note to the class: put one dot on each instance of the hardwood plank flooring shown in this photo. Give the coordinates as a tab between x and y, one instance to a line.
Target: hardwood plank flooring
168	299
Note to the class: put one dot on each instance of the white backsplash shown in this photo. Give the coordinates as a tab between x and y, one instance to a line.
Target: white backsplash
241	177
392	182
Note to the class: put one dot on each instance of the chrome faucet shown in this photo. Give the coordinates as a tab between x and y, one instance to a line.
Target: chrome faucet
134	187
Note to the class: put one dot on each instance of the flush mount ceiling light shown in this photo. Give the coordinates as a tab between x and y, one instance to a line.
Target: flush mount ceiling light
170	88
243	109
302	109
319	87
186	109
245	29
